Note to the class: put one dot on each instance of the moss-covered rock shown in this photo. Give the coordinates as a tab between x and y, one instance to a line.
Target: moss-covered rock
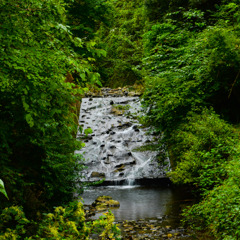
103	203
97	175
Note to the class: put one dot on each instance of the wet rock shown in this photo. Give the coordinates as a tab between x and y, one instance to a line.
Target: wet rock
121	168
150	229
153	221
102	203
177	234
97	175
131	163
117	111
124	125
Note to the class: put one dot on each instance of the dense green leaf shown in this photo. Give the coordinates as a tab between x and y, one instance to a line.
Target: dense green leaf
2	189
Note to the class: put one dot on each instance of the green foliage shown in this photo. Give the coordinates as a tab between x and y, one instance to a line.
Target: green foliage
122	42
228	13
2	189
88	131
200	149
121	107
155	9
187	74
38	119
85	16
13	223
105	225
204	4
219	211
63	223
188	52
192	62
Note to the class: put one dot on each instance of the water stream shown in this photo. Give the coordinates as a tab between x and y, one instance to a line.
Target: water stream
110	151
134	178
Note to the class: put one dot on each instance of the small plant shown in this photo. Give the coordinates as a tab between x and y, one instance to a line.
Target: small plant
13	223
64	223
121	107
88	131
2	189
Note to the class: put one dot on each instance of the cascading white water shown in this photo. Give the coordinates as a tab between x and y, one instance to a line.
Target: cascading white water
110	150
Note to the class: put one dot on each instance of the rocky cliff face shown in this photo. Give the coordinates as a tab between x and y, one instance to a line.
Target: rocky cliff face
111	149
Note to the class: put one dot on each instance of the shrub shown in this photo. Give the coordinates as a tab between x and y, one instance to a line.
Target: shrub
38	119
219	210
200	150
188	74
64	223
13	223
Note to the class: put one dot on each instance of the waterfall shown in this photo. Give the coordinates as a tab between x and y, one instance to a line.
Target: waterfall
110	150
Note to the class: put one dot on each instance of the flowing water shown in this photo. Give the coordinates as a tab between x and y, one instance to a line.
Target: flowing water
134	178
111	150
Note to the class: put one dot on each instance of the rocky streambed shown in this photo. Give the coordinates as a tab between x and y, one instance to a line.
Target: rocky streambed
153	228
158	228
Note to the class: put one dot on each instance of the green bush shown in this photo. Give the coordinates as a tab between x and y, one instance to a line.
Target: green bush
201	149
192	99
186	74
13	223
63	223
2	189
122	40
219	210
38	115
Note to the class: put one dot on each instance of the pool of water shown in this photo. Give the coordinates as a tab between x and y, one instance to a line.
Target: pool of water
142	202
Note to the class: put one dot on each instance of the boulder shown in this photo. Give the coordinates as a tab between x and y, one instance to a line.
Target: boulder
103	203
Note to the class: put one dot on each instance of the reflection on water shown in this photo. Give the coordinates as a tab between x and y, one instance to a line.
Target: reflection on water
139	202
